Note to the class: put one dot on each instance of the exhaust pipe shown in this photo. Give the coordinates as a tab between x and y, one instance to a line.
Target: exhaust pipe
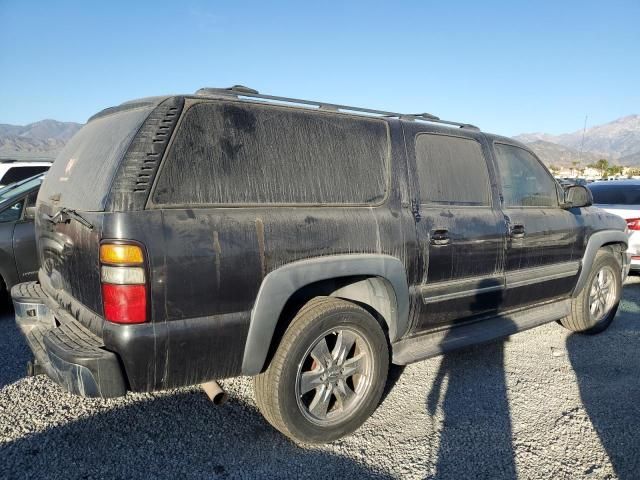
215	392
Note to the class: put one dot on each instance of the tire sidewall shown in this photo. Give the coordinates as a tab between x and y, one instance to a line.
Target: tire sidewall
356	319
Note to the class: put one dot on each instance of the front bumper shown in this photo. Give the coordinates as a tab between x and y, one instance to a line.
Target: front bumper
69	353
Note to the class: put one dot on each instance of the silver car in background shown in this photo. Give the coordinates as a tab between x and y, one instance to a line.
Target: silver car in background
622	197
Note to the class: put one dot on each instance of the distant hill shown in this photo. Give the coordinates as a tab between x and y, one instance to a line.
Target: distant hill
617	141
43	139
559	155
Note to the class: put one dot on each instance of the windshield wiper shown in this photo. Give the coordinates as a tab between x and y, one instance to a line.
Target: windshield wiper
64	215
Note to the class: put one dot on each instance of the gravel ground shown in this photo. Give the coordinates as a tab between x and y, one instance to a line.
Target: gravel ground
543	404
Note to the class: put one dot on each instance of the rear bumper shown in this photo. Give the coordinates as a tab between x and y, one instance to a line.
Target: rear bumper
69	353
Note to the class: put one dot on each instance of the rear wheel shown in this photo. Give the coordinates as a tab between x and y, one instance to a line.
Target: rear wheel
593	310
328	373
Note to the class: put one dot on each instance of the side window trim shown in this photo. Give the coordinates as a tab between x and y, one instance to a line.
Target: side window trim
499	178
426	203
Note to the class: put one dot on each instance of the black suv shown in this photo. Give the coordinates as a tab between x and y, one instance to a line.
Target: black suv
184	239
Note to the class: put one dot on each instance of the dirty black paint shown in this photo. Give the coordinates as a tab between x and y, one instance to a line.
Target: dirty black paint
206	262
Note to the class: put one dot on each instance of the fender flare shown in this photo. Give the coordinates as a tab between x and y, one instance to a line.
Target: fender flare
279	285
595	242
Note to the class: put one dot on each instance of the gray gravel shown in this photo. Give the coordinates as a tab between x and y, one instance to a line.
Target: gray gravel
544	404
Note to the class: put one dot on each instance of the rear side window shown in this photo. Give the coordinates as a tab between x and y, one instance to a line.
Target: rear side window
615	194
83	171
15	174
230	153
451	171
525	182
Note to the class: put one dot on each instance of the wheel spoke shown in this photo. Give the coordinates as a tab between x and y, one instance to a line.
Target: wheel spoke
343	346
343	393
321	354
354	365
310	381
320	403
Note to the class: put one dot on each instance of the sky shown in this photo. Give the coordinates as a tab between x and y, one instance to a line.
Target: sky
508	67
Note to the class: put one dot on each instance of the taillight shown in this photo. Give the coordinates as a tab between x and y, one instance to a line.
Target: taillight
124	283
633	223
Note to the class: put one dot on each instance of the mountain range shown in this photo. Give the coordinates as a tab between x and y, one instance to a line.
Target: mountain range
43	139
617	141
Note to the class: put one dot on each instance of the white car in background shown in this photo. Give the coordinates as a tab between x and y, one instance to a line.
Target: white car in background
14	171
622	197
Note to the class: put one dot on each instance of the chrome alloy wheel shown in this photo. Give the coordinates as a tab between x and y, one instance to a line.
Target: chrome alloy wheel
603	294
334	376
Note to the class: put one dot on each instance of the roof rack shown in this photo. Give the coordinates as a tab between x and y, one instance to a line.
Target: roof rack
240	91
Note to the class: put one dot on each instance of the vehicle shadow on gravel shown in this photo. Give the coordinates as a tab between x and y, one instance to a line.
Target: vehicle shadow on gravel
607	369
14	352
171	436
475	409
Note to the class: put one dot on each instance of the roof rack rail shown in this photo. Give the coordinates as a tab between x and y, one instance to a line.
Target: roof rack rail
239	91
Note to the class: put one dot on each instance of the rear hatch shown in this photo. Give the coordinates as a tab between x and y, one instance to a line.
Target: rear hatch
71	204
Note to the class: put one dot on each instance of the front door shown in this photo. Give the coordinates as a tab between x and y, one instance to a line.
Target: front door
544	245
460	230
24	244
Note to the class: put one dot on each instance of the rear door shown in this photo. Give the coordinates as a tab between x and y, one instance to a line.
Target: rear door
461	231
545	242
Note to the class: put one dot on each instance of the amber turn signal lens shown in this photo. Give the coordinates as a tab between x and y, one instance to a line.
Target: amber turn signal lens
121	254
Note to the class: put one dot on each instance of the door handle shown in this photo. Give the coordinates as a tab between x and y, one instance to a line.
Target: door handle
517	230
440	237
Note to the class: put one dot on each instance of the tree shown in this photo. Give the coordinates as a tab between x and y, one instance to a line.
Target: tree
614	170
602	166
554	169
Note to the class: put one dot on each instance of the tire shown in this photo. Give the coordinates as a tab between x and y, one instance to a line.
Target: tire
581	319
304	378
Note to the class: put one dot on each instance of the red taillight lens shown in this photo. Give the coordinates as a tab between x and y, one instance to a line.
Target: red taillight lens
633	223
124	303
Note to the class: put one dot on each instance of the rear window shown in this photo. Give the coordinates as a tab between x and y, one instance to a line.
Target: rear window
604	194
451	171
230	153
15	174
83	171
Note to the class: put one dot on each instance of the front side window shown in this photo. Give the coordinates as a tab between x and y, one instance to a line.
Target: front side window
12	213
238	153
525	182
451	171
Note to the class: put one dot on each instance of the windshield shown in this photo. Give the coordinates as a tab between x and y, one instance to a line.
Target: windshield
82	174
607	194
16	189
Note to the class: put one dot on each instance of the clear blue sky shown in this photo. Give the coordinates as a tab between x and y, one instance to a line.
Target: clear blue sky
509	67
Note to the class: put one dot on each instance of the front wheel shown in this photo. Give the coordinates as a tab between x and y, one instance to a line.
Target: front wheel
593	310
328	373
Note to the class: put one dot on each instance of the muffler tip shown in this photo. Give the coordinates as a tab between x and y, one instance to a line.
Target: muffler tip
215	392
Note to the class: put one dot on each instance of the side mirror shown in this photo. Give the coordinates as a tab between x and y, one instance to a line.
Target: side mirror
30	213
578	196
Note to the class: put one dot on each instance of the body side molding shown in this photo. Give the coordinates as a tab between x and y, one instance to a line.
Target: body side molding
595	242
278	286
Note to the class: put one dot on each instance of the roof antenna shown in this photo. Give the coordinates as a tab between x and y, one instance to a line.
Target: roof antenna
584	129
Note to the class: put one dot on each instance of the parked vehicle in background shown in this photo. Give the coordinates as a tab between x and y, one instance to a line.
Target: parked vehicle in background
188	238
622	198
14	171
18	255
